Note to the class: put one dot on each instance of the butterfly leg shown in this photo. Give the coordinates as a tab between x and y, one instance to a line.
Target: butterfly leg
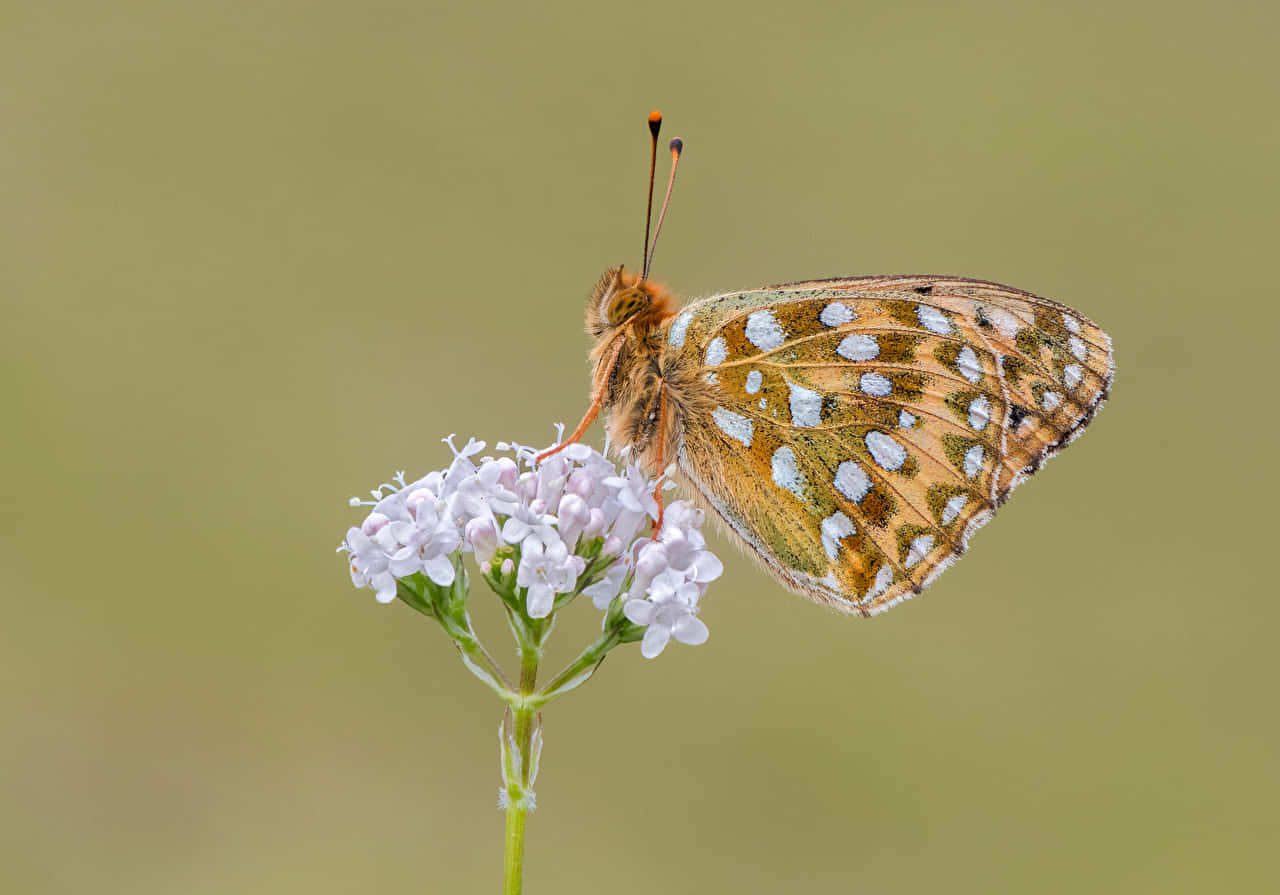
598	391
660	460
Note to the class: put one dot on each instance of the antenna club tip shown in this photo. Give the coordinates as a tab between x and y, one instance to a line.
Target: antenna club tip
655	122
677	145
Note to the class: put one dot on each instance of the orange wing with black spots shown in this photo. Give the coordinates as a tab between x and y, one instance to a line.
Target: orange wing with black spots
862	429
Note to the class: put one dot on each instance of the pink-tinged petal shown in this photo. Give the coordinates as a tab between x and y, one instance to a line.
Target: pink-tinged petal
691	630
604	590
528	485
651	562
357	540
508	473
580	483
628	525
384	587
539	601
628	500
595	525
637	547
446	540
654	642
638	612
482	535
680	552
439	570
666	586
471	448
373	523
413	503
708	567
574	514
514	530
399	532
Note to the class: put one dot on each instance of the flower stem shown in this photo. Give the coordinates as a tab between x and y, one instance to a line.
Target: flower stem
514	864
520	792
581	668
482	665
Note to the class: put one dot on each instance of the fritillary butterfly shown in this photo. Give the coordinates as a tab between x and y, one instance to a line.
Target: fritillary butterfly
853	433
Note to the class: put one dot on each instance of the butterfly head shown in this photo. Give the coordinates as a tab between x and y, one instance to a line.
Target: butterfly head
620	299
627	300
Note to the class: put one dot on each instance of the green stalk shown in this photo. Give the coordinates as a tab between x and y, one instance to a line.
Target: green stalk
514	864
580	669
520	795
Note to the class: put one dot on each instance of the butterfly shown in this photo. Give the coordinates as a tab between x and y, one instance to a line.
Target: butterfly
852	433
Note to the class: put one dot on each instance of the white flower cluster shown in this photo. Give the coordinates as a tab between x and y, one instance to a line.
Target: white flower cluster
562	520
670	576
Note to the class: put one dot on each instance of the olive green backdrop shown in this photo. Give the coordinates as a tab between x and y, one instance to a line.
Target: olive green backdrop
256	256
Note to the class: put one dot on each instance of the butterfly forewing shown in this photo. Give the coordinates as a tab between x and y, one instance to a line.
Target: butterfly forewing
863	428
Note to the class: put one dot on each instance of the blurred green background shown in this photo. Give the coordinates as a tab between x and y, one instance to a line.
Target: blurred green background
255	256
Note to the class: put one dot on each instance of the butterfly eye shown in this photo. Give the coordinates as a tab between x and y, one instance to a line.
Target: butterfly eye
624	305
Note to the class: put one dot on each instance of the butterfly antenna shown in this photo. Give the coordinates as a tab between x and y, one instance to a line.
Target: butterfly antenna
655	125
677	146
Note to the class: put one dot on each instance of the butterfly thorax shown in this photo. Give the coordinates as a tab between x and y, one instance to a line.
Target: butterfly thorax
646	389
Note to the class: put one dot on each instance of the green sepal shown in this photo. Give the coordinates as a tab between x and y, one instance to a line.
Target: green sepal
590	549
504	586
629	632
413	590
613	617
452	600
624	629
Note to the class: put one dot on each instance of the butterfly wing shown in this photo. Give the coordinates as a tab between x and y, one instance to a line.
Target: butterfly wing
860	430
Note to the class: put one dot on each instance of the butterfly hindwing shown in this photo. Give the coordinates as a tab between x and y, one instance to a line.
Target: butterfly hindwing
863	428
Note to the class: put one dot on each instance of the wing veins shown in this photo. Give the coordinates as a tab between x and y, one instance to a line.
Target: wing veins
863	365
850	330
941	461
882	477
914	409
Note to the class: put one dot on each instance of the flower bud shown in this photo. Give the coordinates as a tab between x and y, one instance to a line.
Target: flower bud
573	518
415	500
581	483
373	523
482	534
528	485
595	524
650	563
509	473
